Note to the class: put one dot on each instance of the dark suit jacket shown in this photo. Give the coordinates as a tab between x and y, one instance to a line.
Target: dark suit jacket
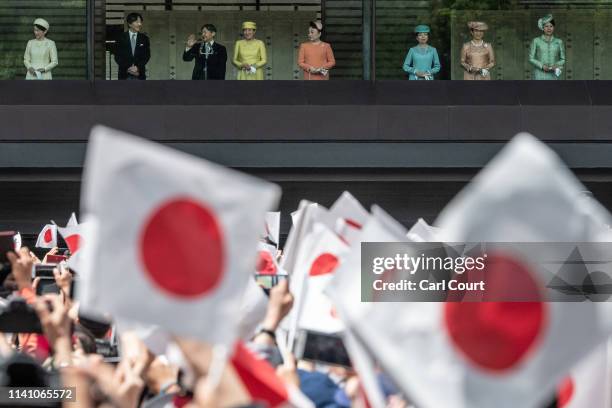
125	59
214	65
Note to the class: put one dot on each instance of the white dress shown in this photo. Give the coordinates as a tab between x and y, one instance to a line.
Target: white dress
40	54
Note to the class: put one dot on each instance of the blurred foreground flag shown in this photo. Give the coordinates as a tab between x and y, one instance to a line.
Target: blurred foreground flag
261	382
47	238
588	384
176	236
496	354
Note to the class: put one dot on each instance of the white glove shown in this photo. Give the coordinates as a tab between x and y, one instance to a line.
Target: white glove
558	72
252	70
484	72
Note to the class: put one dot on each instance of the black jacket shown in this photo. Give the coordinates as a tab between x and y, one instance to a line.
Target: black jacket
125	59
212	67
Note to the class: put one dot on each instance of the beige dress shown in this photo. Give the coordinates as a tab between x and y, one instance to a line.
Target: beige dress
476	57
40	54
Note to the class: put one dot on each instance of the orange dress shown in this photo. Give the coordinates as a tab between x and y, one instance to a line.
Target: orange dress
313	55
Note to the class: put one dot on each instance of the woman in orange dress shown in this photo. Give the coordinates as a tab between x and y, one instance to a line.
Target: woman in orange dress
316	57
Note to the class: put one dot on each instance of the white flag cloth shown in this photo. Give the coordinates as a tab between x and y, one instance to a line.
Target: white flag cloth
73	235
72	221
588	384
271	234
170	244
321	257
423	232
47	238
494	353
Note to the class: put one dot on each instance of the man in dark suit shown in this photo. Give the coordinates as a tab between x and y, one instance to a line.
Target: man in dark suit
133	50
210	56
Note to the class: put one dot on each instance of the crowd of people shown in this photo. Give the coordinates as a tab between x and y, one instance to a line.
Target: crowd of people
106	365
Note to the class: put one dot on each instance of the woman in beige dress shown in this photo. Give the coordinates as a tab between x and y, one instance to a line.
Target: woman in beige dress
41	54
477	56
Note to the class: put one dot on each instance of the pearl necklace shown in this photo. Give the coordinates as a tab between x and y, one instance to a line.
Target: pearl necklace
476	45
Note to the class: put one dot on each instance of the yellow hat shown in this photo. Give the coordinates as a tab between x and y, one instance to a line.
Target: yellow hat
42	22
249	24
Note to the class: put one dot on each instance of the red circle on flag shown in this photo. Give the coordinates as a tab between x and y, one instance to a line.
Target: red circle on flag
48	236
497	335
323	264
74	242
181	247
265	264
565	392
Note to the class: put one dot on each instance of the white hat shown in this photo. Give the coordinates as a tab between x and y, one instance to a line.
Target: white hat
42	22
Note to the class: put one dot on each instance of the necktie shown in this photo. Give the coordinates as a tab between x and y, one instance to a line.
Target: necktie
207	50
133	41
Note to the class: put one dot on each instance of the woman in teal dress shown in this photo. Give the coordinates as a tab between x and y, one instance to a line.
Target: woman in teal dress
547	53
422	61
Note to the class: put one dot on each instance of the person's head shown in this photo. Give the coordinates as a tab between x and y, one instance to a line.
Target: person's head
549	28
41	26
422	33
477	28
315	30
248	30
547	24
208	32
134	22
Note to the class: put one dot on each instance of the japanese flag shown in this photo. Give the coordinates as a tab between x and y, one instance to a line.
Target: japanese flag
176	237
501	354
349	217
73	235
315	271
47	238
261	382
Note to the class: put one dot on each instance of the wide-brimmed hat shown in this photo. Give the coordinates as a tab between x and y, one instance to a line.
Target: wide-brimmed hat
42	22
546	19
422	28
478	25
249	24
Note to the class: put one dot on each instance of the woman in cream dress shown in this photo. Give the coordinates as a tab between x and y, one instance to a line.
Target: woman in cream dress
41	54
250	54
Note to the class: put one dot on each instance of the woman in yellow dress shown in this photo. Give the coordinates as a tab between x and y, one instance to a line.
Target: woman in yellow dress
250	54
40	56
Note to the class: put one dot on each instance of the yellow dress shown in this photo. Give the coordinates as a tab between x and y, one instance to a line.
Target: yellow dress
252	52
40	54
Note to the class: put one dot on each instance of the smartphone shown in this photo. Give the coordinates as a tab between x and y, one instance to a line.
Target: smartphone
321	348
47	284
55	259
269	281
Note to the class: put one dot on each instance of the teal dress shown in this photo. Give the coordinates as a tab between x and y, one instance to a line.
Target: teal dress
544	52
423	59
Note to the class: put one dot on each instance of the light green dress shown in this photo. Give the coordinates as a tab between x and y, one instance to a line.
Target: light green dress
544	52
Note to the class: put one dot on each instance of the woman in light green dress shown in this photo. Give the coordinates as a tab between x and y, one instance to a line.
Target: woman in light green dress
547	53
